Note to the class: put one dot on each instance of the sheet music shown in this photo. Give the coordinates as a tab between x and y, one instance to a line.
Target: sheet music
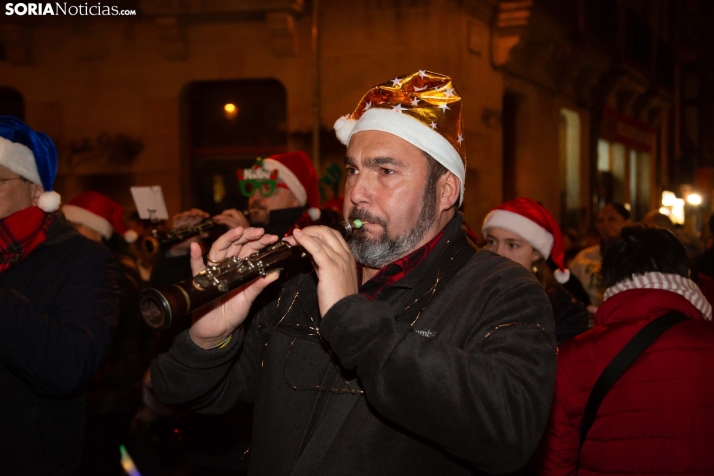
150	202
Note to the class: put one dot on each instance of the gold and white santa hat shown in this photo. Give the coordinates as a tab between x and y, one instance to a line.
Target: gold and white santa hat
423	108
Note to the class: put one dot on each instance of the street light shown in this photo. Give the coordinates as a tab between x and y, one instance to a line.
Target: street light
694	199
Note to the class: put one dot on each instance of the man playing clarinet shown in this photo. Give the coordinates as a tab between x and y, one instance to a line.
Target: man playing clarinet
405	350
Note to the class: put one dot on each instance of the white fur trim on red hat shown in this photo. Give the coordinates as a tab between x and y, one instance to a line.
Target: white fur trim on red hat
562	276
19	159
536	236
131	236
286	175
90	220
411	130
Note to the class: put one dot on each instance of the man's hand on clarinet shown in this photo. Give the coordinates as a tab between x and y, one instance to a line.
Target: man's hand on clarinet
333	261
214	323
232	218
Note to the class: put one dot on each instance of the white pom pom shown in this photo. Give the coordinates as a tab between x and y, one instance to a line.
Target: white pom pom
49	201
314	213
562	276
343	128
131	236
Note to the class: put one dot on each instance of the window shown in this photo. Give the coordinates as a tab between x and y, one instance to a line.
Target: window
569	137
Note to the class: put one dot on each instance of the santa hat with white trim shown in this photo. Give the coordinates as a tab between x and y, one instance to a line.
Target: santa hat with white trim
531	221
295	169
423	108
100	213
31	155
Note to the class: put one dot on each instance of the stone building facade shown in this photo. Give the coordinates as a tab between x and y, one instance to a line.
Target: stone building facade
569	102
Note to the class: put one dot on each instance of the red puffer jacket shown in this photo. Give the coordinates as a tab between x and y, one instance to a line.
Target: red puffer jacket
659	417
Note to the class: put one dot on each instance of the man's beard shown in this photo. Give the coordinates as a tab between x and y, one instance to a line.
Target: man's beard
378	252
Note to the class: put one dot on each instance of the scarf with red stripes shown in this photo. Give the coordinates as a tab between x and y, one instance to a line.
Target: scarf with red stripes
20	233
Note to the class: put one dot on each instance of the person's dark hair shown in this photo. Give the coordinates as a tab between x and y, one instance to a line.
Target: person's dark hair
643	249
711	224
436	170
620	209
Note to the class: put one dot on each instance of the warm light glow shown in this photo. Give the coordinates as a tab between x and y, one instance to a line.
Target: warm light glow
677	215
230	110
694	199
664	211
668	198
127	463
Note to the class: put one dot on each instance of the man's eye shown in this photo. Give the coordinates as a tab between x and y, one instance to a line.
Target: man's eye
351	171
387	171
513	246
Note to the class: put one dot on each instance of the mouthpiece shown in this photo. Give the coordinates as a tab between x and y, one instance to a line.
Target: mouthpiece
359	223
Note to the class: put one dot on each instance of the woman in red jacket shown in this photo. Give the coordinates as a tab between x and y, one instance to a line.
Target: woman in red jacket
659	416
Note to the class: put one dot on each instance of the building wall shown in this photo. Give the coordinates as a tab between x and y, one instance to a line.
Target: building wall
117	75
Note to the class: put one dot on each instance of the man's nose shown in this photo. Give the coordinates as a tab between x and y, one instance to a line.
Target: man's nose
359	190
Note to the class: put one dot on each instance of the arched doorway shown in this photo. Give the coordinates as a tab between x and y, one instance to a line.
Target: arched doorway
227	125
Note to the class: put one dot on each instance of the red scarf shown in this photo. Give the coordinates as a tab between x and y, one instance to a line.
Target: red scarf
20	233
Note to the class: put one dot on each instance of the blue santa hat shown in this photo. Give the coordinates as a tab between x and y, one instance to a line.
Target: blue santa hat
31	155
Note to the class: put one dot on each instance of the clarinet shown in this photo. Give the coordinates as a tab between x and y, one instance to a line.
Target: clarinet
160	309
158	240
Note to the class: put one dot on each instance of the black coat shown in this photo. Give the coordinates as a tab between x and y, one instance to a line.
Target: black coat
467	387
58	313
571	316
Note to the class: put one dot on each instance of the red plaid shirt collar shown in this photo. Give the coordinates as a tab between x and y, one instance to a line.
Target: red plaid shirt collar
393	272
21	233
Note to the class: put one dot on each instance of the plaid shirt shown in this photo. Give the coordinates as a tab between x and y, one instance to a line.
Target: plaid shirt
20	233
393	272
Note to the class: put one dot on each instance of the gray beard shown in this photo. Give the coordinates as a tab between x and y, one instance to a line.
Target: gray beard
378	252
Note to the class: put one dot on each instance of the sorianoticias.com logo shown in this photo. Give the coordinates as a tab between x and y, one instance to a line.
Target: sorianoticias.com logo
61	8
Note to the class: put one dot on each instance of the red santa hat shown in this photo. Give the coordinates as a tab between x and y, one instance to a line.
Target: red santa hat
532	222
295	169
100	213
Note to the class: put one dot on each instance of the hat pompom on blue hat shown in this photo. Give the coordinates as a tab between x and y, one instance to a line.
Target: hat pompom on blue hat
31	155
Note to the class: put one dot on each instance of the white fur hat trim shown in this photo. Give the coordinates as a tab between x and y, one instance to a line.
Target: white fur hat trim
49	201
534	234
286	175
411	130
90	220
19	159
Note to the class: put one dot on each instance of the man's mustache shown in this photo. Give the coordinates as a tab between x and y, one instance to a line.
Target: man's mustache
366	216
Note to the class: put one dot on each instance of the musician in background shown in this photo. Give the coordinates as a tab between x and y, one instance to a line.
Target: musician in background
114	394
283	194
428	356
58	311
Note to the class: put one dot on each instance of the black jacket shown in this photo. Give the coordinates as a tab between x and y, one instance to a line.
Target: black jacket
58	312
467	387
571	316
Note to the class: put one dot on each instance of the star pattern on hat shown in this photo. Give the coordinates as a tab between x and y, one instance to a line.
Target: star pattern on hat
428	97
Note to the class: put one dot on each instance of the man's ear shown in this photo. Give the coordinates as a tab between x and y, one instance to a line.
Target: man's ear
449	190
35	191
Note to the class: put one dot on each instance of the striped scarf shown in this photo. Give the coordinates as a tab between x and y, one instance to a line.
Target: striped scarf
667	282
20	233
